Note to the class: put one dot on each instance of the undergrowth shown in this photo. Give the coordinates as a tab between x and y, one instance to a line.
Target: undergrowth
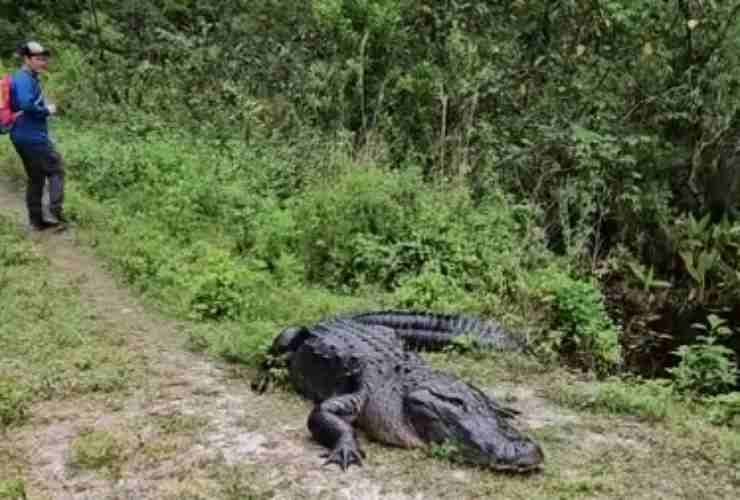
215	238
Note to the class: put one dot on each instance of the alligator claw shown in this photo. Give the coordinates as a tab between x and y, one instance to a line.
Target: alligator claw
344	455
261	384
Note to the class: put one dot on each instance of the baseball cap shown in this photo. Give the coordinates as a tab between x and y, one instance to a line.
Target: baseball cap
32	48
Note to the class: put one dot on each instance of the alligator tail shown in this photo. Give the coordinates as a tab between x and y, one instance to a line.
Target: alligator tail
423	330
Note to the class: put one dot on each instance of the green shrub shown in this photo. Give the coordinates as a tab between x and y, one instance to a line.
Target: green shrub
430	289
706	367
580	325
222	287
709	254
141	251
371	226
725	409
272	235
347	223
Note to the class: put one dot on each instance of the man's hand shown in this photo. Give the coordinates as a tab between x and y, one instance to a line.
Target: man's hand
52	108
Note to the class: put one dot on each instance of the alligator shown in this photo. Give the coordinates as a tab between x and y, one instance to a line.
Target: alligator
362	370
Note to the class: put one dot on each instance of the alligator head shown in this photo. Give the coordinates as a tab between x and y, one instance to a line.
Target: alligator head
278	356
477	434
289	340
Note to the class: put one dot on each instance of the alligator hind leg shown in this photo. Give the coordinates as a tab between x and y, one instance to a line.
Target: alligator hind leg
330	424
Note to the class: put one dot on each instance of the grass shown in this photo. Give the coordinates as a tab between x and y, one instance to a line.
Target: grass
649	400
13	403
242	482
49	346
182	424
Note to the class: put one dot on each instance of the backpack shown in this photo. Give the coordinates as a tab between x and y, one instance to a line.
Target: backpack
7	116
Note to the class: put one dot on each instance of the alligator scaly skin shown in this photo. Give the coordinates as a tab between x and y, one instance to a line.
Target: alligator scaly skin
359	371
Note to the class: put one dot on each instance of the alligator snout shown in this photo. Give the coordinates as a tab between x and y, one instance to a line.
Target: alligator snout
492	442
522	455
478	431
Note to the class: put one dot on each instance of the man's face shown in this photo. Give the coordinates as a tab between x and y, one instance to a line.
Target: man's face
38	63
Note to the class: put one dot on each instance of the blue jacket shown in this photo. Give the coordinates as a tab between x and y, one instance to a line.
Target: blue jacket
30	127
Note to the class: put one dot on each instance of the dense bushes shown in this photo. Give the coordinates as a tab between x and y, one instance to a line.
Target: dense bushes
603	131
579	325
376	227
259	257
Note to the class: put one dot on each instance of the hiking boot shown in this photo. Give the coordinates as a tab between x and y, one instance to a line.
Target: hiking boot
60	218
43	225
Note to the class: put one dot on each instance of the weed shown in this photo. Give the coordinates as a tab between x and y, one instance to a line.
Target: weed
448	450
183	424
12	489
706	367
725	409
463	344
96	450
580	326
14	401
241	483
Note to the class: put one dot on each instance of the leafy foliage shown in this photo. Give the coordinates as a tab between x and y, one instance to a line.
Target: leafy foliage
579	322
427	150
706	367
725	409
709	253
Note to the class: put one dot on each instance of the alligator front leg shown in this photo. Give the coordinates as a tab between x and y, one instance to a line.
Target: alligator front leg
330	424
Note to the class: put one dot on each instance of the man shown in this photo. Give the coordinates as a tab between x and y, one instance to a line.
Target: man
30	136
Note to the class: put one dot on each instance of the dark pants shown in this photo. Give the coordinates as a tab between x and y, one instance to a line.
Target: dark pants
42	162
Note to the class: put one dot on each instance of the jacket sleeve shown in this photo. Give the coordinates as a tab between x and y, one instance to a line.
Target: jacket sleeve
29	98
